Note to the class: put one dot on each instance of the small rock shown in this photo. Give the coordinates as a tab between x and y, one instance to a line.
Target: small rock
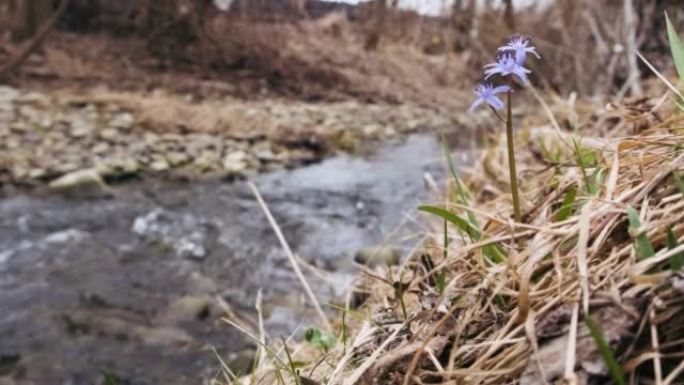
80	128
100	148
81	183
201	284
177	158
37	173
159	165
66	236
241	363
235	161
109	133
377	256
118	167
185	309
124	120
163	336
206	160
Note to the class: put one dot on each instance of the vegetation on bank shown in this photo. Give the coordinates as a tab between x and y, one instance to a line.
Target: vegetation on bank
587	287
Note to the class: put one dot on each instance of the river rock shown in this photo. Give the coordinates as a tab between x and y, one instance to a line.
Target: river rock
159	165
177	158
240	363
186	309
123	120
235	161
81	183
118	167
81	128
377	256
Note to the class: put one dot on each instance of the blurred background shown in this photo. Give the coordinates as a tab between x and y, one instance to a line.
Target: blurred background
128	129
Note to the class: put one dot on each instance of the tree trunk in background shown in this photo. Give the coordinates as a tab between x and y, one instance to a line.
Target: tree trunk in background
630	37
28	16
378	17
299	7
509	16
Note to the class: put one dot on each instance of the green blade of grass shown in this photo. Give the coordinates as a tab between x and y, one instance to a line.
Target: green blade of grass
606	353
494	252
643	247
462	224
568	206
677	48
677	260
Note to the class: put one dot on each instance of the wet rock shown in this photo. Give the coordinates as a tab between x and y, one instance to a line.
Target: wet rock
378	256
66	236
186	235
186	309
163	336
201	284
82	183
240	363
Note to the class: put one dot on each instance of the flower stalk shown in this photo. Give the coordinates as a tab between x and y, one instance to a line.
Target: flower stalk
511	159
510	66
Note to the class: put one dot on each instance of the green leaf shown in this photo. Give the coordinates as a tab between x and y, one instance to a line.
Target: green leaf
677	260
464	225
606	352
568	206
677	48
494	252
441	281
587	157
319	340
642	245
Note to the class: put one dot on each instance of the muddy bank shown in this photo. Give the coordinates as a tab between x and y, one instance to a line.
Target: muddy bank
133	285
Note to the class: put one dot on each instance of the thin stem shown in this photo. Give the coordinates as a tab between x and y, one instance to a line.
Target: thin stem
498	115
511	159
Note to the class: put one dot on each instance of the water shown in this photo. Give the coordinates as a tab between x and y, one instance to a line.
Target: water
134	285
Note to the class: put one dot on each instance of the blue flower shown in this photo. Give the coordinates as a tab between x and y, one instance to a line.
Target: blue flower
506	65
486	93
519	45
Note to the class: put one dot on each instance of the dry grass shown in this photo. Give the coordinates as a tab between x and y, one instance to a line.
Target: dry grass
521	320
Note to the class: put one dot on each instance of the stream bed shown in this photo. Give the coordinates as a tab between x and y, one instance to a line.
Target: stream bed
132	287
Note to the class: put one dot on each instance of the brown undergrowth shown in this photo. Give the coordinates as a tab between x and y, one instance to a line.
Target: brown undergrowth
487	301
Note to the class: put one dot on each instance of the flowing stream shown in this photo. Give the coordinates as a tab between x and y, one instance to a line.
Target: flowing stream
132	287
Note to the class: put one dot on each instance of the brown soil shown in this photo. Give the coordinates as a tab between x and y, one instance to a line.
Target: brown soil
315	60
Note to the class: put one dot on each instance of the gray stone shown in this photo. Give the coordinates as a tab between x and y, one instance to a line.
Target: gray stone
186	309
159	165
123	120
81	183
235	161
241	363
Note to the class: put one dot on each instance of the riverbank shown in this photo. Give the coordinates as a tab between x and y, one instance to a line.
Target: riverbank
592	277
128	135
